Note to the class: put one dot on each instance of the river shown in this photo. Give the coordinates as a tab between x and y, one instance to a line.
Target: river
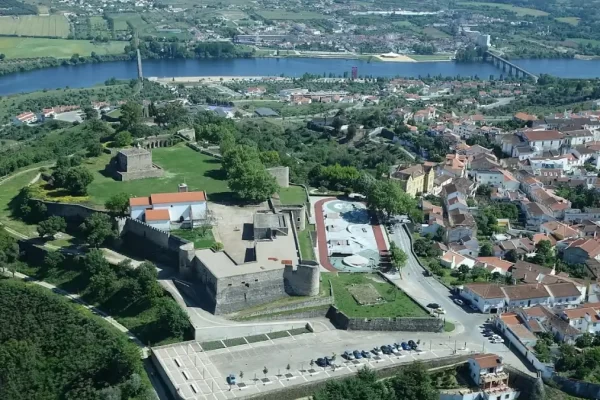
92	74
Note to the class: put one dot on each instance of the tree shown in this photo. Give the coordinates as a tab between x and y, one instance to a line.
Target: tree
351	134
89	113
463	271
122	139
484	190
252	183
131	114
265	371
172	318
398	256
97	229
544	254
388	198
480	273
118	204
77	180
94	149
146	276
542	351
270	158
414	383
486	250
2	56
102	285
511	256
51	226
585	340
53	259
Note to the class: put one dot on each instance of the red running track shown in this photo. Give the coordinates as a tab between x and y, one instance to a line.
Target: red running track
322	235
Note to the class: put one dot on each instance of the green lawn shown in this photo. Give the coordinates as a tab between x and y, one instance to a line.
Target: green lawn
33	25
292	195
291	15
20	47
9	188
431	57
202	238
508	7
435	33
398	304
593	42
181	164
569	20
306	247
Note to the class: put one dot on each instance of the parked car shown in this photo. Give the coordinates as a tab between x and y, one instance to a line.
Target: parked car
459	302
357	354
473	307
405	346
348	355
321	362
433	305
412	344
440	310
377	351
393	349
487	332
365	354
497	340
386	350
231	379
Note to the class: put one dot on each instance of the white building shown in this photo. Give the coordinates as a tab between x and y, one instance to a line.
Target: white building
488	298
586	319
541	140
453	260
163	209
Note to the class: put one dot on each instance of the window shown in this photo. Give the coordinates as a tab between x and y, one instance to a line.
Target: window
499	398
506	396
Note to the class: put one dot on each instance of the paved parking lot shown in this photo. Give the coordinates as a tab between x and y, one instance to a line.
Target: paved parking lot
202	375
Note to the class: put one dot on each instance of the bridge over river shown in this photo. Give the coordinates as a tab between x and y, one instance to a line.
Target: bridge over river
508	67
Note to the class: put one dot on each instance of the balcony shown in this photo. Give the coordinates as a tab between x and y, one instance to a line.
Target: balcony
495	377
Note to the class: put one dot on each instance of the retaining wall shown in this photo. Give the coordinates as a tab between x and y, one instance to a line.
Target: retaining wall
406	324
308	303
319	312
585	390
74	213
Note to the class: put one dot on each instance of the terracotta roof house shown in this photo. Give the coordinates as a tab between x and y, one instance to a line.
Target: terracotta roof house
495	264
581	250
559	230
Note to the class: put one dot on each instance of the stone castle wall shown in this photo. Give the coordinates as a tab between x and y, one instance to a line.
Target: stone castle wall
153	172
281	175
74	213
303	279
408	324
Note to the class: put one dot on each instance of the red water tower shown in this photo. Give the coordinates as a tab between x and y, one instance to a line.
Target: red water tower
354	72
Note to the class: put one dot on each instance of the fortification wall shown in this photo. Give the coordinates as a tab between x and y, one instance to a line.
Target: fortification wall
281	175
309	303
154	172
303	280
74	213
408	324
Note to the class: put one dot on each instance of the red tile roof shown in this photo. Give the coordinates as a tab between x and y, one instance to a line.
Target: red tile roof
534	136
139	201
182	197
487	360
158	215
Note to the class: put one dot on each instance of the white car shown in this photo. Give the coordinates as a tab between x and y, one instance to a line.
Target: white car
394	349
459	302
498	340
440	310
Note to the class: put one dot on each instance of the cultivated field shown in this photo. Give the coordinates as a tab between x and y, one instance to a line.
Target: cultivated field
508	7
31	25
122	21
569	20
15	47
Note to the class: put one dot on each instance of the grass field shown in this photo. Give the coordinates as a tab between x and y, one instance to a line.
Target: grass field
435	33
181	164
9	188
569	20
121	23
432	57
307	251
98	26
32	25
292	195
289	15
584	41
203	239
398	304
14	47
508	7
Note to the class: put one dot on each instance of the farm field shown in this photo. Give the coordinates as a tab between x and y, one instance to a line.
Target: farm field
569	20
32	25
121	23
435	33
98	26
15	47
508	7
289	15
